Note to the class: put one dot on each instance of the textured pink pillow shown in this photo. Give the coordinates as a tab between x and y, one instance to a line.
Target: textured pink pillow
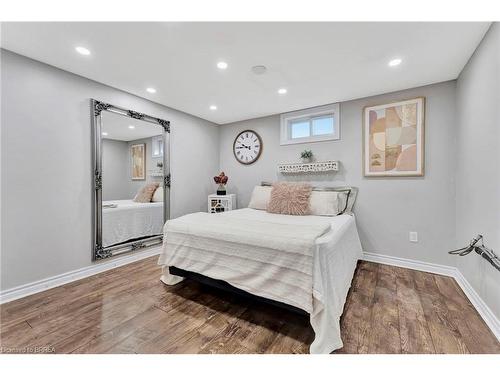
290	198
146	193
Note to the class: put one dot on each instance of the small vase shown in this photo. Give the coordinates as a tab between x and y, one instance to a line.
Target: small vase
221	190
306	160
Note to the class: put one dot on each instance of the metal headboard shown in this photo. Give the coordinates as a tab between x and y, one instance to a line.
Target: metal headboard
352	195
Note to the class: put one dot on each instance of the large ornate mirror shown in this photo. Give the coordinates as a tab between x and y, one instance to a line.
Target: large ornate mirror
131	178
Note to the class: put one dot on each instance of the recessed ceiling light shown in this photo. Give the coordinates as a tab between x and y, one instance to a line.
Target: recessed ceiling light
213	107
222	65
104	133
282	91
131	127
395	62
151	90
82	51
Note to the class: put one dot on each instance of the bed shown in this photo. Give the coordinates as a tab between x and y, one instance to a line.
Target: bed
243	249
306	262
125	220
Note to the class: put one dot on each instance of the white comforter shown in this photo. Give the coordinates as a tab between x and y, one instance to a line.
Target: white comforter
130	220
304	261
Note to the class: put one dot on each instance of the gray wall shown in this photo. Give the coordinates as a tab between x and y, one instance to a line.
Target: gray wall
478	164
115	170
46	164
387	208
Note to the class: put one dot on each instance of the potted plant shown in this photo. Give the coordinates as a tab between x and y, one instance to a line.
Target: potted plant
221	179
306	156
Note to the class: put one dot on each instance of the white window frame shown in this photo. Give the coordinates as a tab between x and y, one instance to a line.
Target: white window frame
157	146
308	114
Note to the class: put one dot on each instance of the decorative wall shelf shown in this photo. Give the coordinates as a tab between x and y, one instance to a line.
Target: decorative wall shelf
321	166
156	173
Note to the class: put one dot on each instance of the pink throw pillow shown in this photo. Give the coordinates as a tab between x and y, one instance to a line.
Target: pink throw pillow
145	194
290	198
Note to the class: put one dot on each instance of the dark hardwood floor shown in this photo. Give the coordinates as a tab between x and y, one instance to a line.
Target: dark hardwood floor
128	310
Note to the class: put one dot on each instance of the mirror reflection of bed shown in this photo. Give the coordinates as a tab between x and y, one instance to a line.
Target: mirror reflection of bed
132	179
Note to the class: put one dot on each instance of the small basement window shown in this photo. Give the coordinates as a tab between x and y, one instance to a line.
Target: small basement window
311	125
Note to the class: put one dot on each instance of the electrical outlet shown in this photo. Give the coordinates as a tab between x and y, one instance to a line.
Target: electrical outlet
413	237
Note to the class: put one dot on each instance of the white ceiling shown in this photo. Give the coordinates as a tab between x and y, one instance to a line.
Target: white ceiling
117	127
318	63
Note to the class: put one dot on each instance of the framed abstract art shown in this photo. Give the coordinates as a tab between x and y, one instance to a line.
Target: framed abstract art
393	139
138	153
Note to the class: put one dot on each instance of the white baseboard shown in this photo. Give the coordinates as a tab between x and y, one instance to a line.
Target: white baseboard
51	282
482	308
410	263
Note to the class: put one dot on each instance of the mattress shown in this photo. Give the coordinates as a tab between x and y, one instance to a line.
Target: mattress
130	220
334	256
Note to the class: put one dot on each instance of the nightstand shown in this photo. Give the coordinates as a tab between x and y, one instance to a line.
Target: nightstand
221	203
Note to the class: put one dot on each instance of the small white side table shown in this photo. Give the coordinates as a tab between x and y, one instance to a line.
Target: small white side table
221	203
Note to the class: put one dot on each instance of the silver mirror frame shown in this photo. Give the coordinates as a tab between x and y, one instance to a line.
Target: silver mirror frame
98	251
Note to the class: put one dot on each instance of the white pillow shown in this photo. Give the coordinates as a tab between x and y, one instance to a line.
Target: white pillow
261	196
327	203
158	195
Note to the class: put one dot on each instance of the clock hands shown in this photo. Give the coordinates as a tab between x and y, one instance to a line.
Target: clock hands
243	146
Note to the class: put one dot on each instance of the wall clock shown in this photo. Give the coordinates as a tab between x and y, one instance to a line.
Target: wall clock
247	147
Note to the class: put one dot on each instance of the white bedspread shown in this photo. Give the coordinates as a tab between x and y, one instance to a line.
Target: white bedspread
304	261
130	220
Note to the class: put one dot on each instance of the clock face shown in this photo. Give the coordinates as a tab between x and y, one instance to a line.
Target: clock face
247	147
